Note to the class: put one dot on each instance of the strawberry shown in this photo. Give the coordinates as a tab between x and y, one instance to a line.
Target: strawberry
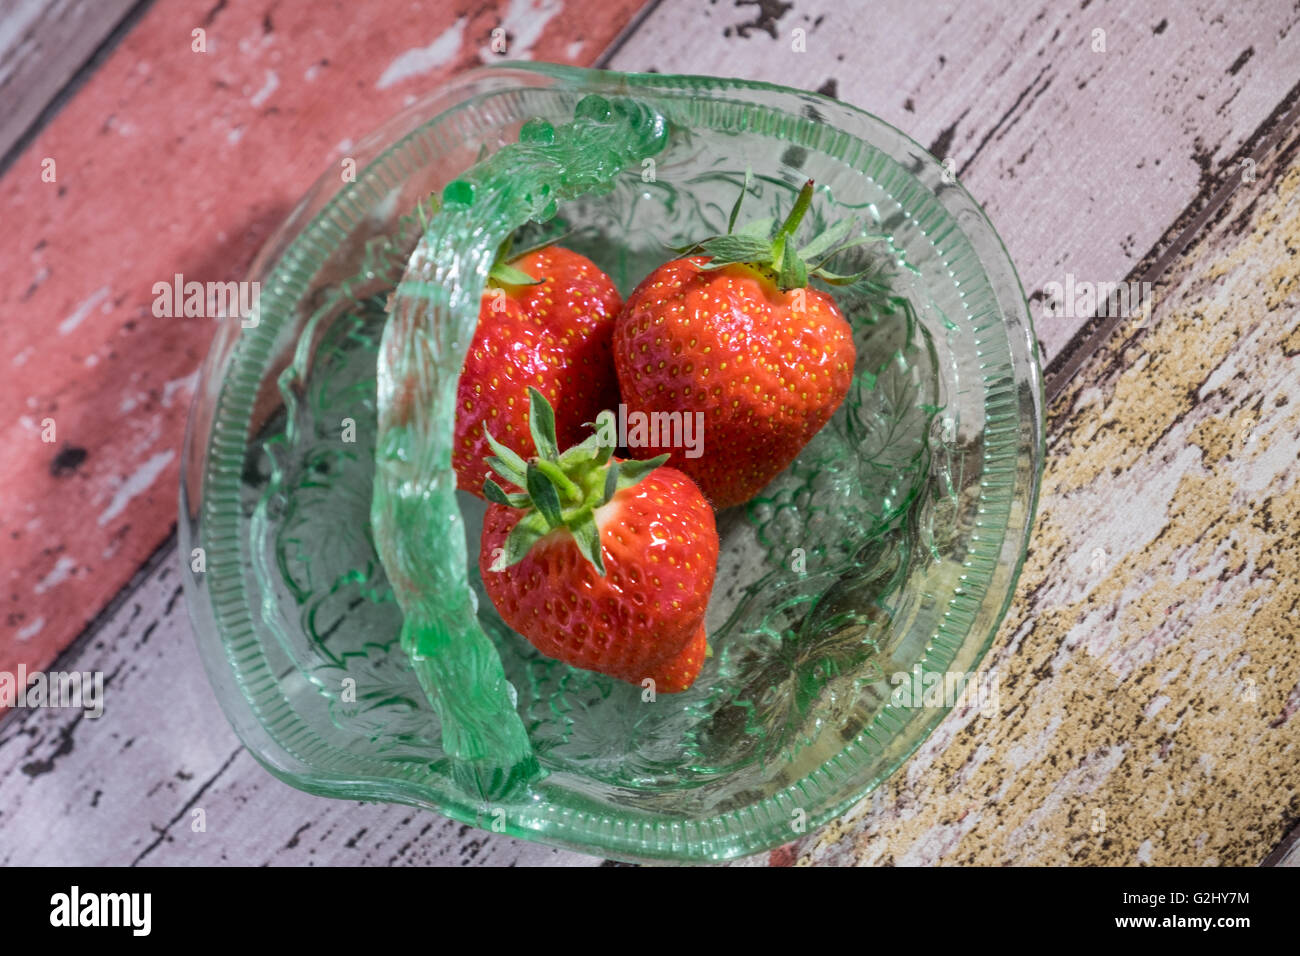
546	320
735	331
602	563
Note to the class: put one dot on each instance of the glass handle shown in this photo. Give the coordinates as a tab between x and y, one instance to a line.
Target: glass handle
418	528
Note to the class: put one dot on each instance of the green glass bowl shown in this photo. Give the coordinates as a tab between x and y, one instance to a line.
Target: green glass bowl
880	562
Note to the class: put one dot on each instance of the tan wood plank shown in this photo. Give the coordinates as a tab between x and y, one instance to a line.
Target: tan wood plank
1147	674
943	806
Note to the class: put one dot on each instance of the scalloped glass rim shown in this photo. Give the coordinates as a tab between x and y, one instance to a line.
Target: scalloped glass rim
237	663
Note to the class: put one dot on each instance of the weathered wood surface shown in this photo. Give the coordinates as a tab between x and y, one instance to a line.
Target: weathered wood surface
168	161
1148	675
124	788
43	43
1084	160
1082	157
1288	854
983	88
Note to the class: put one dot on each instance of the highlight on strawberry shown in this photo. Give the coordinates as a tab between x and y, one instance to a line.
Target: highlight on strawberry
734	329
546	319
601	563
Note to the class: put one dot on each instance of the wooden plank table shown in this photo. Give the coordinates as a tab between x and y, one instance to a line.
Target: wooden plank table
1147	670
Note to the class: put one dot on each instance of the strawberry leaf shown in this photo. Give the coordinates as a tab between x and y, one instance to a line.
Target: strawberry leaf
735	210
587	537
541	422
776	254
531	528
509	275
503	273
562	490
833	278
827	240
631	472
611	482
727	249
545	498
505	462
496	494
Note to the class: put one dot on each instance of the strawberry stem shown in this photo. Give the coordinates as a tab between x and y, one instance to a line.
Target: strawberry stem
562	490
791	224
775	253
503	273
566	488
791	268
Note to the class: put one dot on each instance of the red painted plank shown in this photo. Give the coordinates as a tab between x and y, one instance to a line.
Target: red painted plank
171	160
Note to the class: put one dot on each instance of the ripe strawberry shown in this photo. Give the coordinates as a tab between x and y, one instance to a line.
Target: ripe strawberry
736	332
604	564
546	320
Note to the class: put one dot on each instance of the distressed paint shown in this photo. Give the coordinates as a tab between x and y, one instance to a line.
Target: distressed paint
123	789
1122	682
1147	672
171	161
1082	159
973	792
43	43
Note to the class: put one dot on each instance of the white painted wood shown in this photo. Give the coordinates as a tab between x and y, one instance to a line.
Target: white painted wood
1148	689
42	45
1082	159
123	788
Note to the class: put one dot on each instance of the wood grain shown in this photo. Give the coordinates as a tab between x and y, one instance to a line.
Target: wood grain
1061	145
43	43
123	788
175	161
1148	676
1083	159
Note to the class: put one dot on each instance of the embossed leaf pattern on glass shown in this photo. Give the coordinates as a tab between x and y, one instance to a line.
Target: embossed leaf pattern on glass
823	544
892	543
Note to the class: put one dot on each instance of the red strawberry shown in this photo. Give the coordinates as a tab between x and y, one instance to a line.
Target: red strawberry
679	674
553	335
738	334
604	564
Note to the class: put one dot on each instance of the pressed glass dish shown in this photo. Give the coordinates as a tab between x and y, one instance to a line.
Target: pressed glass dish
886	552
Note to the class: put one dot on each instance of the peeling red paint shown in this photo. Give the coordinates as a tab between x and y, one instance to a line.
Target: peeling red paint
170	160
783	855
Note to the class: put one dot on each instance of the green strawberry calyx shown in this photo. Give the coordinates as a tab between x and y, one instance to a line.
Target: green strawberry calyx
776	253
503	272
562	489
